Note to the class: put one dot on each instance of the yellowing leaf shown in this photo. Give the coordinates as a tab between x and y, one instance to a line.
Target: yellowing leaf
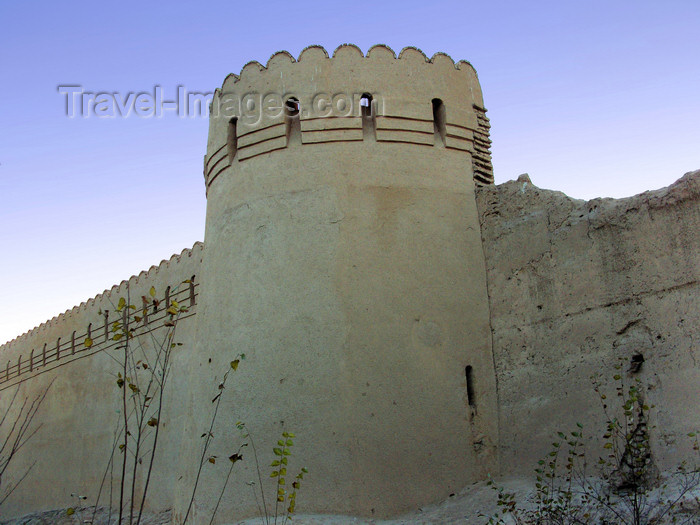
70	511
152	291
152	422
121	305
234	364
88	342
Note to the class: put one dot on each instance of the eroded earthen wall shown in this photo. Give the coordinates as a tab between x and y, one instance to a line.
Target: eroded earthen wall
575	287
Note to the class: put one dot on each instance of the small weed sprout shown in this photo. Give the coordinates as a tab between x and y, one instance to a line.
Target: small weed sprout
285	499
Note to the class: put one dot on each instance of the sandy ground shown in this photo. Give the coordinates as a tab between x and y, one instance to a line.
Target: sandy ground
473	505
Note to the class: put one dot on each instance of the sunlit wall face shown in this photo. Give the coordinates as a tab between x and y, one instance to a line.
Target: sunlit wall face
591	99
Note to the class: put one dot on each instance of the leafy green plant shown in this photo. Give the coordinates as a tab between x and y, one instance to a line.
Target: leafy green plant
282	452
624	488
285	498
141	380
144	357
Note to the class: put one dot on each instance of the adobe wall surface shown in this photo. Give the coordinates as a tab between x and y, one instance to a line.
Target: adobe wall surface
352	264
79	416
575	285
414	336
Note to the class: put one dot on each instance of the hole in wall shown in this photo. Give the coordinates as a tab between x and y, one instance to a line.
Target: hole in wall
439	122
292	106
366	105
232	139
471	396
636	363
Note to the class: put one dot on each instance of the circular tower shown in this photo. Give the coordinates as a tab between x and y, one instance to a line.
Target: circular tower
343	256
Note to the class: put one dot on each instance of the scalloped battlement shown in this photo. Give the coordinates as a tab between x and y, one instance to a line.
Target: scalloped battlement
249	115
318	54
79	315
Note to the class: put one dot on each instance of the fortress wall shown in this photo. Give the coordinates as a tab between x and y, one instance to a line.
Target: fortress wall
330	104
348	250
575	285
79	415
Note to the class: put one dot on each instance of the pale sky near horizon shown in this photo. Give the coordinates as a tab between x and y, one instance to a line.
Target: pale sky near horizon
595	99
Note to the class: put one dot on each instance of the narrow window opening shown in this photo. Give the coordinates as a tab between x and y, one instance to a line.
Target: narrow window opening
192	296
366	105
369	128
471	397
232	139
292	121
439	125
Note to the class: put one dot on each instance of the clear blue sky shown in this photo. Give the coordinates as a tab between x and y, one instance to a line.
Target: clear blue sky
591	98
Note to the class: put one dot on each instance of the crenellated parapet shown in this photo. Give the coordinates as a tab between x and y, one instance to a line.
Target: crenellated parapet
348	97
85	329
